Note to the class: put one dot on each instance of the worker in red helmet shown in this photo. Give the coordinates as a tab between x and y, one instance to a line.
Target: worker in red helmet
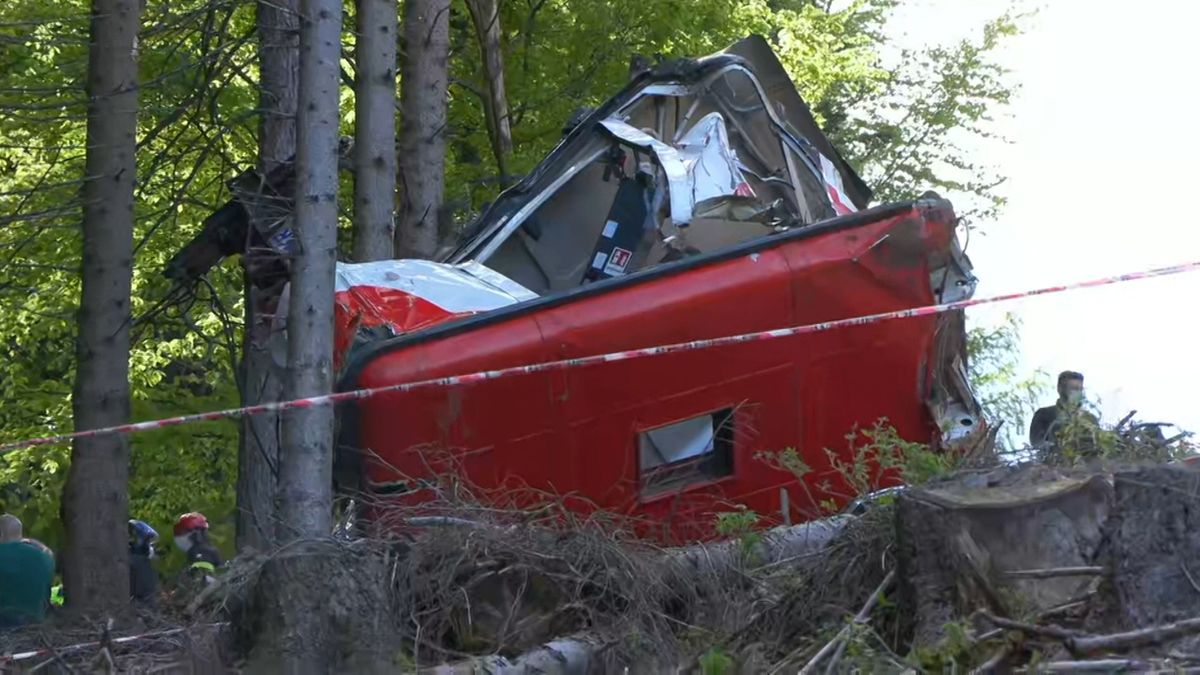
191	536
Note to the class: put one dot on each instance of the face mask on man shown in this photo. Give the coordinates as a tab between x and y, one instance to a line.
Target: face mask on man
1072	394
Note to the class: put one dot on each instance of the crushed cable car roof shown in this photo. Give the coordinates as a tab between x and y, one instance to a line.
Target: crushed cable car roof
778	110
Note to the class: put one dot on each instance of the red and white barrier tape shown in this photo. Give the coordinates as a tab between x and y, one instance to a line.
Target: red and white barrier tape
24	656
456	380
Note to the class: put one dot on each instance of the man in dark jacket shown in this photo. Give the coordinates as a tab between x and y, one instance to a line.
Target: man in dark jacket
1048	422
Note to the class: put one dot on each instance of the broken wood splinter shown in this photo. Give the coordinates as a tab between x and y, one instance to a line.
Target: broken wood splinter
839	639
1052	572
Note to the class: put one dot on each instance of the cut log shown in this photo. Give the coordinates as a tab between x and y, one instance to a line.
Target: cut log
778	546
1092	644
568	656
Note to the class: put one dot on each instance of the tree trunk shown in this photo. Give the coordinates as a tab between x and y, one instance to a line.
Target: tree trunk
258	440
375	130
279	60
96	495
485	14
258	447
306	458
422	136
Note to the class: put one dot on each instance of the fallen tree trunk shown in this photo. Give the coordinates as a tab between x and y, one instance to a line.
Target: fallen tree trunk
1091	644
776	547
587	599
567	656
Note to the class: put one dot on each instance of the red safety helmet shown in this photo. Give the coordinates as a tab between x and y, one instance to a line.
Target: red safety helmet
189	522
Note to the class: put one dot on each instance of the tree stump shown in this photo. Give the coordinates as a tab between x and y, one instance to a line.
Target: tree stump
958	542
320	607
1153	548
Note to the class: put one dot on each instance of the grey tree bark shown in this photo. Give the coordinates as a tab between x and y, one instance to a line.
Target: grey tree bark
96	499
279	62
258	447
485	15
306	457
423	81
375	130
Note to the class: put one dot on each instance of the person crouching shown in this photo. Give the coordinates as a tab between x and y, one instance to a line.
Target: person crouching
191	536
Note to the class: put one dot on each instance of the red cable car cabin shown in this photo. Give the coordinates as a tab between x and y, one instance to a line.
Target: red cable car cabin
701	201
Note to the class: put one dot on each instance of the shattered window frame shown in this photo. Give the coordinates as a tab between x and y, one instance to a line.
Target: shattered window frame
666	469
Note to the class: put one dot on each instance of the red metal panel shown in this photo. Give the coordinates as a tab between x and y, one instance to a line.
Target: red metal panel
414	431
576	430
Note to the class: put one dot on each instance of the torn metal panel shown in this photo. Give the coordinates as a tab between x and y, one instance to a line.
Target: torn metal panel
692	132
387	298
699	167
838	198
795	114
952	278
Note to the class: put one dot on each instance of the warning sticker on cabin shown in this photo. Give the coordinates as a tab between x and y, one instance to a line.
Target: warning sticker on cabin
618	261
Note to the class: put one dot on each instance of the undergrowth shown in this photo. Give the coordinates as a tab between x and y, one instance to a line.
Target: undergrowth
876	457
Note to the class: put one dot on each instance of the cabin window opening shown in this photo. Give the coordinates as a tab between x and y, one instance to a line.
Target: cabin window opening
695	450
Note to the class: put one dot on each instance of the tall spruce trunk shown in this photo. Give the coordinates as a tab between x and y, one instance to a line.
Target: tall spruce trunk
375	130
485	15
96	496
262	382
306	458
425	75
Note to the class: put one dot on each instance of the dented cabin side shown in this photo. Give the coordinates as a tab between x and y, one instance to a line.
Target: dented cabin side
669	440
700	201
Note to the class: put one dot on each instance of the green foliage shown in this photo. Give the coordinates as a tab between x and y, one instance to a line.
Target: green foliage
1080	438
742	524
874	457
910	133
716	662
956	653
197	124
1005	395
879	451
